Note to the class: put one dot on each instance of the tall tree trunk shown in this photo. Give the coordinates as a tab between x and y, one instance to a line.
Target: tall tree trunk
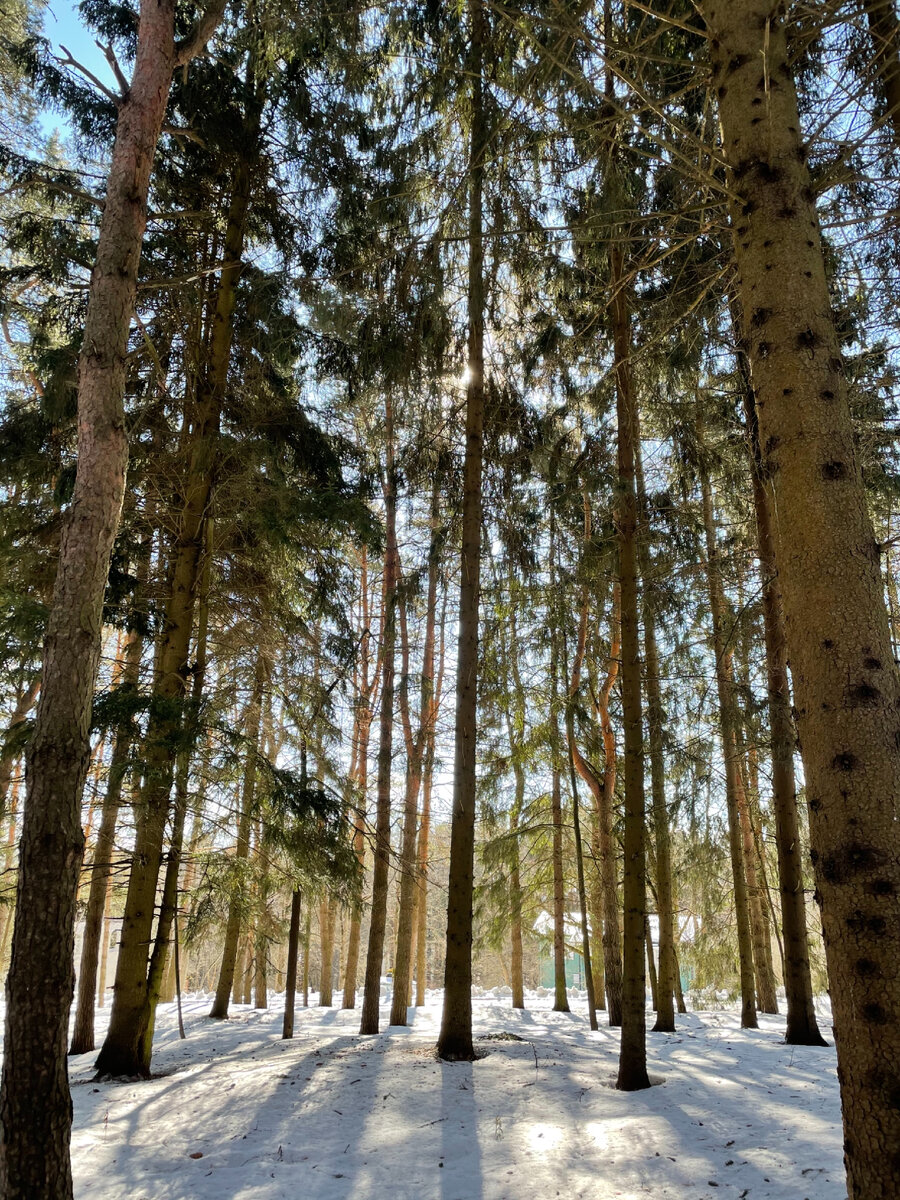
725	687
415	754
455	1038
802	1028
762	947
633	1052
261	934
35	1104
378	916
651	965
124	1052
8	912
515	725
846	686
363	725
290	978
24	705
574	685
104	946
403	947
560	995
582	890
516	958
612	942
306	940
160	957
219	1010
665	1009
326	949
101	868
605	900
425	827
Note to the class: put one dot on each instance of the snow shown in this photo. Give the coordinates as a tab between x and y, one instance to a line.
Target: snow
235	1113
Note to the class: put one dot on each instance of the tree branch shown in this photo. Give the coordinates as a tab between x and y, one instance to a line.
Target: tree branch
110	56
195	43
69	61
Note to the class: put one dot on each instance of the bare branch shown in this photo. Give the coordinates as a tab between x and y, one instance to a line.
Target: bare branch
189	134
195	43
110	57
70	61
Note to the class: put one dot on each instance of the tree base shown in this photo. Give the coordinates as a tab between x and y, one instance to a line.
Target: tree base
804	1037
119	1063
454	1049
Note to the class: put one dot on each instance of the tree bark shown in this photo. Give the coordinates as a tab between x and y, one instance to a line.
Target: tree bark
725	688
101	868
516	957
802	1028
651	965
665	1009
415	754
363	725
455	1039
632	1074
160	957
23	707
326	951
378	915
261	935
35	1104
846	686
762	948
290	978
219	1010
560	995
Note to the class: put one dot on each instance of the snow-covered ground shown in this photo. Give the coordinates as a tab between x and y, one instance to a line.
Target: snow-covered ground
235	1113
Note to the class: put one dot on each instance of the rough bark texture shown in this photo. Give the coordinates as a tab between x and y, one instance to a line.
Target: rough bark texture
632	1074
846	687
802	1028
35	1105
455	1038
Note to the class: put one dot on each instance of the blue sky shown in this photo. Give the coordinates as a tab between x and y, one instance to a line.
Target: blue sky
63	27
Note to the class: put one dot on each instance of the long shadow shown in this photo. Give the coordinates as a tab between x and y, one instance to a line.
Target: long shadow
460	1165
333	1114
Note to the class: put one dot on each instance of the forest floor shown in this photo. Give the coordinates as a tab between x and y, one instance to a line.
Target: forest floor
235	1113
